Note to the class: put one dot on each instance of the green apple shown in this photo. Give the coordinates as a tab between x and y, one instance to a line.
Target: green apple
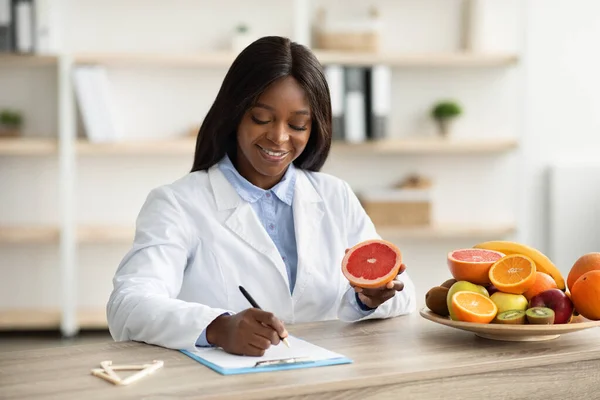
507	301
461	286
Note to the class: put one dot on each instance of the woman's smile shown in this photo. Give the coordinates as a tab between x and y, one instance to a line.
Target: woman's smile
272	155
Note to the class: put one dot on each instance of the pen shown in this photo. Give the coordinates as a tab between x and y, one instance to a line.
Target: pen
255	305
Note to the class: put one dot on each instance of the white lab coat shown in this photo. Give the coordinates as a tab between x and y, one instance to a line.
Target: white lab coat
196	241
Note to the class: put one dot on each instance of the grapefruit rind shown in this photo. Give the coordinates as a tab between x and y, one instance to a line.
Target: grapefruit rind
372	283
476	272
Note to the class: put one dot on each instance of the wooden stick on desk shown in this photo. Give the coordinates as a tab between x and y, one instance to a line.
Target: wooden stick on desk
146	371
106	366
99	372
129	367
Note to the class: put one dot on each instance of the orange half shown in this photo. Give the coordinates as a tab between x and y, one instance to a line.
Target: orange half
514	274
473	307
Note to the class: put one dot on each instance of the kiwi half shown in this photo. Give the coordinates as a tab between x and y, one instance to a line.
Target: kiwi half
540	315
435	300
512	317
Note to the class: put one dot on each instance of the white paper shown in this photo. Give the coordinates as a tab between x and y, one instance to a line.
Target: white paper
298	349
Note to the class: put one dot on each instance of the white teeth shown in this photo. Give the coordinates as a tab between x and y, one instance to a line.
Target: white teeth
273	153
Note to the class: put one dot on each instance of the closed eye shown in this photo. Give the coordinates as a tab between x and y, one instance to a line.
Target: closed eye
258	121
298	128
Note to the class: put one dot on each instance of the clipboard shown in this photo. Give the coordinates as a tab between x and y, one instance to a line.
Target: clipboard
301	354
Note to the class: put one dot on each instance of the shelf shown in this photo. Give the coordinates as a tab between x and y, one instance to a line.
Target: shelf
447	231
417	60
105	234
429	146
28	235
114	234
186	146
48	319
224	59
27	60
22	146
183	146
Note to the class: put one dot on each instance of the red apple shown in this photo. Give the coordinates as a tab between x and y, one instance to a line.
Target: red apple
558	301
492	289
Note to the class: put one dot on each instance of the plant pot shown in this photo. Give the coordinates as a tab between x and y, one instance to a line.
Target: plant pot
8	131
444	125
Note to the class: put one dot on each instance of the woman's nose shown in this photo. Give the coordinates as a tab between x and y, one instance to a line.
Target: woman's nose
278	133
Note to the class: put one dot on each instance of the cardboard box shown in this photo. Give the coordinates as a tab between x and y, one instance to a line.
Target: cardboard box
398	207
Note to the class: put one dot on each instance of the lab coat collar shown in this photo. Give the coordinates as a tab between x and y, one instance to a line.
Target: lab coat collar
308	213
226	197
284	189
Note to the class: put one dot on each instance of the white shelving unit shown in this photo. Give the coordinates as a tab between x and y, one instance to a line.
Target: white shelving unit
70	151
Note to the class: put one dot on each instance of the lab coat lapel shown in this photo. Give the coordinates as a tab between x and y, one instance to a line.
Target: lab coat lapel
308	213
244	222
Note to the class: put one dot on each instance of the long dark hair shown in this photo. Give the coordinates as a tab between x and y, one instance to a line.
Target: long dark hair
255	68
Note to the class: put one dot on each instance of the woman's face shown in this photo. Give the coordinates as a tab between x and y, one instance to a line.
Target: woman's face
273	133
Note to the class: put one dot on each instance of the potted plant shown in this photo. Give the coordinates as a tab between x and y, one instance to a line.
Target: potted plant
443	113
10	123
242	37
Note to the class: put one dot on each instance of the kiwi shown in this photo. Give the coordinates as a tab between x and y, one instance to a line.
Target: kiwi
448	284
540	315
435	300
513	317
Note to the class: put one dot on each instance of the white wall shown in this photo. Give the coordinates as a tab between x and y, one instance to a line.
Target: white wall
562	104
166	102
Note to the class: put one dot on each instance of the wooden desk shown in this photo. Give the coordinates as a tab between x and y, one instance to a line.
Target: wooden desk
402	358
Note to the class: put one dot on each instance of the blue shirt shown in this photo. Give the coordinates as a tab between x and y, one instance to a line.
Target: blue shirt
274	210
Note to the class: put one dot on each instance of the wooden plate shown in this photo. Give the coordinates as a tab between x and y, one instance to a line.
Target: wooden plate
513	333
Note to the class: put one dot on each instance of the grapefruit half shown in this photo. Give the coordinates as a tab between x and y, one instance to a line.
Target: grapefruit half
472	265
372	263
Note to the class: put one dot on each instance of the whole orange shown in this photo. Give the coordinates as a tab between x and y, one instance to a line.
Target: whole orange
585	295
585	263
543	282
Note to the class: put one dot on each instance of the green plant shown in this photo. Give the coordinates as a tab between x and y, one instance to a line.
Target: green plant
443	112
11	119
241	28
446	110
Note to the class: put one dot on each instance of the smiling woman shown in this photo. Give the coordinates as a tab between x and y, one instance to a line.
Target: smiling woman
275	98
255	212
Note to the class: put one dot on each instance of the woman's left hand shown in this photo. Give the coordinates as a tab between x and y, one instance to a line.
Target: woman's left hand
373	298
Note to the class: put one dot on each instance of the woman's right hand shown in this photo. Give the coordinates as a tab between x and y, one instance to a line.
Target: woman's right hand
248	333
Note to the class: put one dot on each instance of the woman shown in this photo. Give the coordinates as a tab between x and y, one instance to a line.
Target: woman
253	212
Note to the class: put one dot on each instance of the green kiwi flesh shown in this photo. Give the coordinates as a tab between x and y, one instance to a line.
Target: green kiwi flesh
513	317
540	315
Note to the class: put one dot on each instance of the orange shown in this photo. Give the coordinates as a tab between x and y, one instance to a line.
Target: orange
543	281
372	263
473	307
585	295
585	263
514	274
472	265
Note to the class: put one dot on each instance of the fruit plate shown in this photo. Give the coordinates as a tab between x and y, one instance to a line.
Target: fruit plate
513	333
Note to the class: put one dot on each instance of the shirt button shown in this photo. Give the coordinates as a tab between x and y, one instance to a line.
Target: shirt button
271	226
268	194
283	258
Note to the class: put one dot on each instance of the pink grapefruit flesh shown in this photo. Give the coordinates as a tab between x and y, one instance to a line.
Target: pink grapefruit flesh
372	263
472	265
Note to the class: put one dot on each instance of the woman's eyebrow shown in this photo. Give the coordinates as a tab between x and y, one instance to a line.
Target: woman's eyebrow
267	107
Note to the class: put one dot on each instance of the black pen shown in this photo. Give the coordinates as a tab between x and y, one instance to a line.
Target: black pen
255	305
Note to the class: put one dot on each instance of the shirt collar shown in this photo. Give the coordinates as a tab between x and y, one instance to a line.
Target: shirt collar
284	189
